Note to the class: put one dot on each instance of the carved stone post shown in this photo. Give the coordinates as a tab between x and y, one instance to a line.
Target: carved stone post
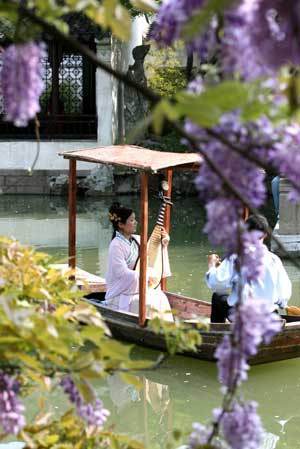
135	105
288	227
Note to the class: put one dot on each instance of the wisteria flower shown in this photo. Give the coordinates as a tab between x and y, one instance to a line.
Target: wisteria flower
251	257
12	419
241	427
261	36
253	324
222	222
232	364
21	81
170	21
94	414
285	155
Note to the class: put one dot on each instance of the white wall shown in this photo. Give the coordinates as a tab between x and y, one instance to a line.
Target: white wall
19	155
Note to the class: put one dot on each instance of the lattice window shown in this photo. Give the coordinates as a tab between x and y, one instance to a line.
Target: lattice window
68	103
71	83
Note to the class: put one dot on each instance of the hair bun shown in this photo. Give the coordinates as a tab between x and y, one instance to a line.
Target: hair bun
115	207
113	214
118	214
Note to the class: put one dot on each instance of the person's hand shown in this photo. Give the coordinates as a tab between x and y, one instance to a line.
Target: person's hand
213	260
165	238
152	281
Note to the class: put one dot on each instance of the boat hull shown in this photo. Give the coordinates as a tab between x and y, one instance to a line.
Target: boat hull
124	326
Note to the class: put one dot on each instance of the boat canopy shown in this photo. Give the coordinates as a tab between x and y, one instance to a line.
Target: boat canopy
147	162
135	157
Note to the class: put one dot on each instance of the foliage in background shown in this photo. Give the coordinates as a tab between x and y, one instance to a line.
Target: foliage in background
165	70
167	81
169	140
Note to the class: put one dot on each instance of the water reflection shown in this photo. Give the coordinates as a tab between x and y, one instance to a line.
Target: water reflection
144	413
186	390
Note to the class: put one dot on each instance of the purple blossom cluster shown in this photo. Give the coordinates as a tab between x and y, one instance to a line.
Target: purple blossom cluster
285	156
253	324
21	81
261	36
222	222
242	427
224	211
171	19
252	251
244	175
239	423
199	435
94	414
232	365
12	419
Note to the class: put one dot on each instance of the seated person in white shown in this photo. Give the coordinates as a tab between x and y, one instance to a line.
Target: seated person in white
122	279
274	286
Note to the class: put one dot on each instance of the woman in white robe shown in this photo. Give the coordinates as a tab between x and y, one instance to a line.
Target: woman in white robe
122	280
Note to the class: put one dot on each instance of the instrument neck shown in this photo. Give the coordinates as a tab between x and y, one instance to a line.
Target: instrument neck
161	214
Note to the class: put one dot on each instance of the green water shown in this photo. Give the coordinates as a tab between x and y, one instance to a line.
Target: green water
183	390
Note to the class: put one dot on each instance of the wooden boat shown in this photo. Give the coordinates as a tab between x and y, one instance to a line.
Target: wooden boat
133	328
125	326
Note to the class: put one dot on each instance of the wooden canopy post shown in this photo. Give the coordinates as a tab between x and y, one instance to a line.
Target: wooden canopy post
143	248
72	213
167	221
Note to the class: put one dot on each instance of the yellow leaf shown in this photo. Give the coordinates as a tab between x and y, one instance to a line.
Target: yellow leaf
43	419
130	379
115	350
29	361
86	390
9	339
145	5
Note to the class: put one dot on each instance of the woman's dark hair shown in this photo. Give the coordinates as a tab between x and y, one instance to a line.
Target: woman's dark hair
118	214
257	223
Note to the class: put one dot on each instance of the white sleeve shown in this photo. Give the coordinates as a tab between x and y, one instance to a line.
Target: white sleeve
119	278
284	285
219	279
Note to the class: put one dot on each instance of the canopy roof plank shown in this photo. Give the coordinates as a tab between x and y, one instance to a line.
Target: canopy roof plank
135	157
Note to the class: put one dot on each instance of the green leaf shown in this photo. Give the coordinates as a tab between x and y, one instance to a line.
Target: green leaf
206	108
94	334
111	14
254	110
164	110
83	360
201	19
8	11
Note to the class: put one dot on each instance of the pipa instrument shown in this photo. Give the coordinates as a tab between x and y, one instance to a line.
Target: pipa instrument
157	258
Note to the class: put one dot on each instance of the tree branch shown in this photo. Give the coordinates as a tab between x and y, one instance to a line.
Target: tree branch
155	98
